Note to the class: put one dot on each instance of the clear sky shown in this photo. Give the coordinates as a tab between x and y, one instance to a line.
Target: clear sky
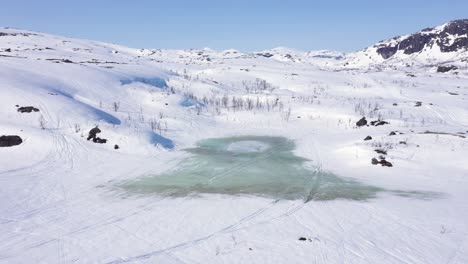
247	25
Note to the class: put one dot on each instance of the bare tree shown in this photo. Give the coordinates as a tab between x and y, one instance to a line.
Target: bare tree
42	122
116	106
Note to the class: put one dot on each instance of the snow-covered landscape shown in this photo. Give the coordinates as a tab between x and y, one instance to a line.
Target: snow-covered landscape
205	156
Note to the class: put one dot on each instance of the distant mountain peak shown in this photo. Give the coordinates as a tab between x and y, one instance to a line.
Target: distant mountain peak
450	37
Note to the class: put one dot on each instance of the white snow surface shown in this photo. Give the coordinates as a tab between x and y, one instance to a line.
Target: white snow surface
59	203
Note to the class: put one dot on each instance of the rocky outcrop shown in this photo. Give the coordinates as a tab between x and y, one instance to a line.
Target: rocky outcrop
444	69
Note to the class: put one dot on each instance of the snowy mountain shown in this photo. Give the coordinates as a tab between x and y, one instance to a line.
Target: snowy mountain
445	44
366	152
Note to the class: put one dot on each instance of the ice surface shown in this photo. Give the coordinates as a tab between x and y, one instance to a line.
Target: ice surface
155	81
251	165
247	146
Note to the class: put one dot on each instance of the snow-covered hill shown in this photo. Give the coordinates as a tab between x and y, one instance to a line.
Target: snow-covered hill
60	195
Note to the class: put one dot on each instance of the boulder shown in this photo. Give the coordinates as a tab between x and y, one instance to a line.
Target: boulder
99	140
368	138
93	132
379	123
27	109
444	69
361	122
385	163
10	141
382	162
381	151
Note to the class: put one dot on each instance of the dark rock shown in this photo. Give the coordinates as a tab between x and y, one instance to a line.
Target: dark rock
382	162
8	50
93	132
418	104
67	61
302	239
99	140
361	122
116	147
444	69
379	123
387	52
385	163
9	141
392	133
368	138
27	109
403	142
395	104
381	151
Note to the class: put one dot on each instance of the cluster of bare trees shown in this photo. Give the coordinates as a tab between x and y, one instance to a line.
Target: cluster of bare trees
237	103
257	86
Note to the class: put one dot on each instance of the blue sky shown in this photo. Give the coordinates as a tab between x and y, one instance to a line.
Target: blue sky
247	25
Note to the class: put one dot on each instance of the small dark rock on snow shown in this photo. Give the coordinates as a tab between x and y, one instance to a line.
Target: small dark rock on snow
99	140
392	133
385	163
368	138
302	239
382	162
381	151
361	122
379	123
10	141
116	147
27	109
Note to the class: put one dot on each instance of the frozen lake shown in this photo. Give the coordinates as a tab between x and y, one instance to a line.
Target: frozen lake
250	165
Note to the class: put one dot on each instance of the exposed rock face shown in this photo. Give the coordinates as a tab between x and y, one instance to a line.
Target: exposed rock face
446	68
4	34
10	141
452	37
